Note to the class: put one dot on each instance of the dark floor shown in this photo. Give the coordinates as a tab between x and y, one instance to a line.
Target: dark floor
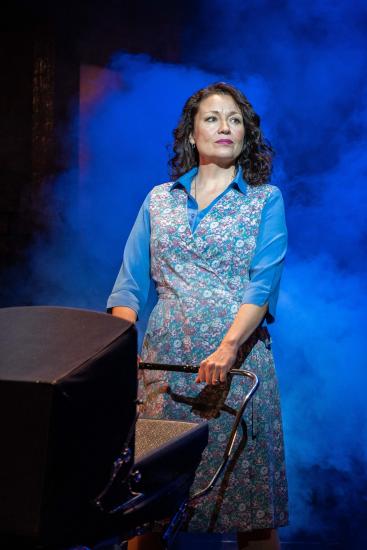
228	542
187	541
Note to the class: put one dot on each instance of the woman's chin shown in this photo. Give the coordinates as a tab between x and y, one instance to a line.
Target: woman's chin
223	160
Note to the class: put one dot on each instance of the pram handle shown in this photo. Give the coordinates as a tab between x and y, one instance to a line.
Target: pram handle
194	369
191	369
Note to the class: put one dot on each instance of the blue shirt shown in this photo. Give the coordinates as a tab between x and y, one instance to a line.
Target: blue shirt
133	281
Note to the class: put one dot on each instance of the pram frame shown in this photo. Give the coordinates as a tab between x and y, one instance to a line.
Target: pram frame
180	515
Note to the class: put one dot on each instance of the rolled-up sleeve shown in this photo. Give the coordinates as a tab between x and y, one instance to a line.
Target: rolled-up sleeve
267	263
133	281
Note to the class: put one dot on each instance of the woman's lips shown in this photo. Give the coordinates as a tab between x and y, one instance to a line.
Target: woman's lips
225	141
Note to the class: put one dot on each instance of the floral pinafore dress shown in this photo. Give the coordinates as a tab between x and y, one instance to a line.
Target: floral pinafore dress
200	279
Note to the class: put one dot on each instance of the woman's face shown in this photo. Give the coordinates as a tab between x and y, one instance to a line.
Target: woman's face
218	130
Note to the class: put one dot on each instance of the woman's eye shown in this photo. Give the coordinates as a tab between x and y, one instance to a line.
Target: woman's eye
210	119
236	120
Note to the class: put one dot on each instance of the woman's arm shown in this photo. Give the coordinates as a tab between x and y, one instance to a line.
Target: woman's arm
260	296
131	288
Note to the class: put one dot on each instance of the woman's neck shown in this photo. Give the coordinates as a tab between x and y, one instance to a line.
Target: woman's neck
212	176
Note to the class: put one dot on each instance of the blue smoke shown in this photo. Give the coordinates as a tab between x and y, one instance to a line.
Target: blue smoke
303	66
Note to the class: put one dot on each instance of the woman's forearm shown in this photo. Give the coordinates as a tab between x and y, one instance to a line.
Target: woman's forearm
214	368
125	313
248	318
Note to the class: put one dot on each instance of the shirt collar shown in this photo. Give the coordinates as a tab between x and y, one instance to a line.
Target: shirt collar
186	179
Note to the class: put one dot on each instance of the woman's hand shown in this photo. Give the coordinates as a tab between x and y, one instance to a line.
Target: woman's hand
214	369
125	313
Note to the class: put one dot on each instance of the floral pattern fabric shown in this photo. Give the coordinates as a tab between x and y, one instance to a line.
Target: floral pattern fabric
200	279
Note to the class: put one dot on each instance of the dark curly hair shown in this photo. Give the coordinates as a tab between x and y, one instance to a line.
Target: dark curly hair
257	154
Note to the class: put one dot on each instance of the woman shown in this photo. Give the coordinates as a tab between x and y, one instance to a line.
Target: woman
213	241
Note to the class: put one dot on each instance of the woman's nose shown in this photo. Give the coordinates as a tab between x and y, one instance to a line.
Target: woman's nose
223	127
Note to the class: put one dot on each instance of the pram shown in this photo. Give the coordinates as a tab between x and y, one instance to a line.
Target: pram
94	470
142	492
